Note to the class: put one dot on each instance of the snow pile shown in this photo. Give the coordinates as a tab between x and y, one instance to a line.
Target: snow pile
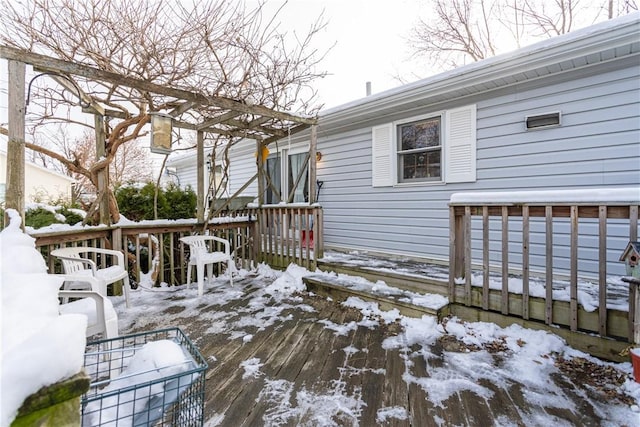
39	347
152	362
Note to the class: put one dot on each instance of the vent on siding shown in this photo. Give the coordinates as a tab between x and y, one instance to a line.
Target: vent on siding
543	120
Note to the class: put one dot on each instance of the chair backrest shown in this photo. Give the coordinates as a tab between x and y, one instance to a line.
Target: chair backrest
198	244
69	265
195	242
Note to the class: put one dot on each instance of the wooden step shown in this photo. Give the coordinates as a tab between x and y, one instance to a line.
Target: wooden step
339	290
406	281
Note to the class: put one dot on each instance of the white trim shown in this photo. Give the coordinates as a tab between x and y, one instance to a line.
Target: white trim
421	181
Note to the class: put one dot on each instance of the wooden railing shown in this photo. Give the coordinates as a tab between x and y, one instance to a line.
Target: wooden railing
289	234
275	235
154	252
481	230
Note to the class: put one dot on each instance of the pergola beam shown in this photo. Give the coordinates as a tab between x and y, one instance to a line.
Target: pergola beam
57	65
219	119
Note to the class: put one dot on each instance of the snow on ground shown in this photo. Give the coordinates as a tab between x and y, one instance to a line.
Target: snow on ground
531	355
617	290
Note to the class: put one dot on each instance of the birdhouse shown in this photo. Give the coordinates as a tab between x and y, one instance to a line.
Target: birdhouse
631	258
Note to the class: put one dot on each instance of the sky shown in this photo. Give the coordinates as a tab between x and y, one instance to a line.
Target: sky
368	39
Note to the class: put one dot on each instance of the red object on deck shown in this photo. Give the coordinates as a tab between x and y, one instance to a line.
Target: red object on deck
635	361
307	239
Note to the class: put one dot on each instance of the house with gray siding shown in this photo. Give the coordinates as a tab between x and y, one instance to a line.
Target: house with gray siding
562	114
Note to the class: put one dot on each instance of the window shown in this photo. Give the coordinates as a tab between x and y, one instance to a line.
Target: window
273	177
420	150
298	173
439	147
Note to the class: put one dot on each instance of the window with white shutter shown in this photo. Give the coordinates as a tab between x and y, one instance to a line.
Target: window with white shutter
431	148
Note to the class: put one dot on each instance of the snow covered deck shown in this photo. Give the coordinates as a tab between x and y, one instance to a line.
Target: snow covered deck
279	355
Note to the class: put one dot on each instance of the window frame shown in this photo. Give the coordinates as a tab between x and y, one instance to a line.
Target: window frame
286	169
399	153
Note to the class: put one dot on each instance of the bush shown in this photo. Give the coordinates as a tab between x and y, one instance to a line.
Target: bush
71	218
136	203
39	217
181	203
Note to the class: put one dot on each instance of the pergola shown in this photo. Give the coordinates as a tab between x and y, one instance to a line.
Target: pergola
185	109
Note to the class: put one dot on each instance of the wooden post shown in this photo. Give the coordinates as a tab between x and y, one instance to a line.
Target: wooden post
602	271
485	258
103	174
14	195
525	262
573	273
505	261
200	177
312	164
467	255
548	214
634	309
260	170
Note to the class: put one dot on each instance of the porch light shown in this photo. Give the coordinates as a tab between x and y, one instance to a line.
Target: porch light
318	156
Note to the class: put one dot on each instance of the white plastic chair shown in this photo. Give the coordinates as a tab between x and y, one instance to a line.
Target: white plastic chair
201	256
82	273
101	316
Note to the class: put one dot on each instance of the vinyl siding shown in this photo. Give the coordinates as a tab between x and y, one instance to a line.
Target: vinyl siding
597	144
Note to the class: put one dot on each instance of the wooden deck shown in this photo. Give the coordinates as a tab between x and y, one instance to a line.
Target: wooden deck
307	374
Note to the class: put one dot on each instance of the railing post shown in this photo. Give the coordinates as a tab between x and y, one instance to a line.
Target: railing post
456	250
634	309
466	244
504	299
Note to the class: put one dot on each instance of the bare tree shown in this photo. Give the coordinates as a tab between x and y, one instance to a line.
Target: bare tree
470	30
213	47
461	30
552	18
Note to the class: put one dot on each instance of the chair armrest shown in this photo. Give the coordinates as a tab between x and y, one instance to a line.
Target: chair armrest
99	300
224	242
117	254
97	285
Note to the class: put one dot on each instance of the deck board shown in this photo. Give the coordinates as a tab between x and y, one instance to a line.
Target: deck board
303	358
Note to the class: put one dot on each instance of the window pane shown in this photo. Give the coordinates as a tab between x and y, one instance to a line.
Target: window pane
273	170
424	134
422	166
296	161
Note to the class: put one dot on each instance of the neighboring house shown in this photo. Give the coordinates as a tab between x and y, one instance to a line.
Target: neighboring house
561	114
41	184
182	171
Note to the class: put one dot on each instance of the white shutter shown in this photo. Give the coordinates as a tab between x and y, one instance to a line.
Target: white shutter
460	145
382	156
